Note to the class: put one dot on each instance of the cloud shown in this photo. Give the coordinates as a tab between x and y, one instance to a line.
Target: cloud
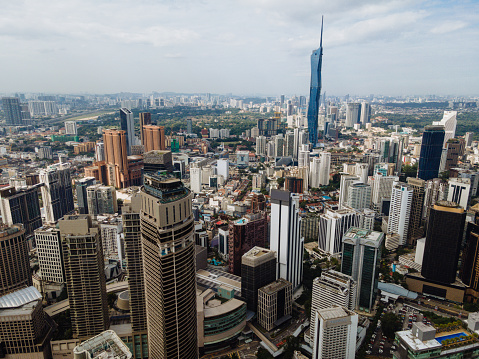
448	26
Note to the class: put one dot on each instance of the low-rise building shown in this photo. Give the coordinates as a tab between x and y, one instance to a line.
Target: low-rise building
275	303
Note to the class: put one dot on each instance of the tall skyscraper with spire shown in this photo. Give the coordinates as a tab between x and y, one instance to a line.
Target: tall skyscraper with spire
315	91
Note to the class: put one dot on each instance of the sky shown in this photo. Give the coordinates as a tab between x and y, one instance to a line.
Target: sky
244	47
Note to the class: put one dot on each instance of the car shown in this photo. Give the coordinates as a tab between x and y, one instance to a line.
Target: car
380	351
368	352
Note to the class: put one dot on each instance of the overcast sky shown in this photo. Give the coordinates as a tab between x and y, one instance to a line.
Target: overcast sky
402	47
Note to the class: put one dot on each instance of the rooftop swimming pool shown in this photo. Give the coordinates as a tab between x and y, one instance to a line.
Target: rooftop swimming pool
456	335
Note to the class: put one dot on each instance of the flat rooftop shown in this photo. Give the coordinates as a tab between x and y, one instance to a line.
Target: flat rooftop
276	286
415	344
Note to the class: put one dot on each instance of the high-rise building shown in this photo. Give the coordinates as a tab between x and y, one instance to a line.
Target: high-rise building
21	206
346	181
111	229
81	186
455	150
101	200
154	138
278	145
443	242
431	152
285	237
449	121
12	110
45	152
333	225
195	179
25	329
332	288
244	234
315	91
50	254
435	190
303	156
274	303
353	114
459	191
469	273
469	137
223	168
261	146
57	193
258	268
145	120
71	128
116	158
158	160
134	259
336	334
361	259
382	188
127	124
167	235
359	196
400	211
314	172
189	125
15	270
289	144
365	113
99	152
324	168
84	268
415	230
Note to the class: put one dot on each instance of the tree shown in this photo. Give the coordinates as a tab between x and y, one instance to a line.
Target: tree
292	344
263	354
390	323
280	182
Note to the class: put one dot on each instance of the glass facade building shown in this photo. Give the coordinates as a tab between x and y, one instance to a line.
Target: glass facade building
431	151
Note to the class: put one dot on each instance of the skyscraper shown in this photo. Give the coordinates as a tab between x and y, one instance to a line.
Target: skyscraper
154	138
81	186
285	237
361	258
324	168
449	121
346	181
365	113
353	114
15	270
443	242
71	128
315	91
116	158
189	125
145	120
57	193
167	234
101	200
50	254
470	260
359	196
431	152
261	146
12	110
21	206
84	268
400	211
333	225
127	124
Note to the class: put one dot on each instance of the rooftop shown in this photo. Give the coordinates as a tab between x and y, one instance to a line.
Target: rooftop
333	313
276	286
20	298
106	345
416	344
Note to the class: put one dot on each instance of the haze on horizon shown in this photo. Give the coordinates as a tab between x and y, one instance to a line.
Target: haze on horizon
389	47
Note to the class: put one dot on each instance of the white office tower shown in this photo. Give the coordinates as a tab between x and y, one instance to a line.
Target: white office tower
206	173
361	170
224	133
366	219
449	121
365	113
289	144
353	113
195	179
303	138
303	156
400	210
99	152
270	149
434	190
332	288
71	128
325	168
278	145
359	196
332	226
57	194
346	181
49	252
459	190
285	236
261	146
223	168
336	333
314	172
382	187
296	142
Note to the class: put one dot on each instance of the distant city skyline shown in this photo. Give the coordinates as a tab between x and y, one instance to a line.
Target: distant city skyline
246	47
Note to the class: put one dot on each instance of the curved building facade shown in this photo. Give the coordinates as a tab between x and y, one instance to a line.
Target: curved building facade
167	234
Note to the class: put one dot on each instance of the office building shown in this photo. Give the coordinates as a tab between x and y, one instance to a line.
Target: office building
57	193
324	168
459	191
361	259
71	128
314	172
100	151
50	254
469	272
45	152
101	200
381	189
431	152
145	120
336	333
303	156
455	151
361	170
289	144
435	190
15	270
315	91
261	146
84	268
154	138
275	303
21	206
333	225
285	237
469	137
449	121
104	345
158	160
195	179
365	113
443	242
12	110
346	181
25	329
278	145
111	238
81	186
244	234
400	211
167	234
359	196
416	229
127	124
353	114
223	168
258	268
293	184
189	125
242	158
332	288
134	259
366	219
